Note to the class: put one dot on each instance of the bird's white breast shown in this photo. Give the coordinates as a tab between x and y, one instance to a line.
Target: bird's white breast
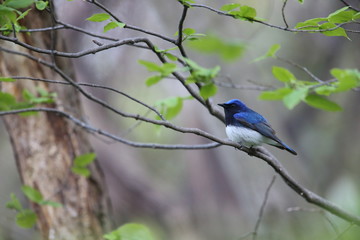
244	136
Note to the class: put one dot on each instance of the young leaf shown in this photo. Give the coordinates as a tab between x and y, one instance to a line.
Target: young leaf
189	31
170	107
7	101
229	7
151	67
200	74
130	231
14	203
84	160
228	50
153	80
347	79
208	90
338	31
278	94
26	218
51	203
98	17
310	24
41	5
112	25
32	194
17	4
294	98
245	13
322	103
270	53
282	74
82	171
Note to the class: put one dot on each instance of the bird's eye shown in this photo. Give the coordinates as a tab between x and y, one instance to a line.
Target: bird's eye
232	105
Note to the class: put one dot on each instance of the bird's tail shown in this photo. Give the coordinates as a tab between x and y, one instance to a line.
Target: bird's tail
282	145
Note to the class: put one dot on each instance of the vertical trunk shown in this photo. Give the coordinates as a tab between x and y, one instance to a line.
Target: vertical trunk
45	144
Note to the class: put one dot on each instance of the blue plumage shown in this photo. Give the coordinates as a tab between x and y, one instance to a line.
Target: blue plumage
248	127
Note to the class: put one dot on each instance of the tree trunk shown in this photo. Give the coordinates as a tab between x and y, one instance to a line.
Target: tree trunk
45	144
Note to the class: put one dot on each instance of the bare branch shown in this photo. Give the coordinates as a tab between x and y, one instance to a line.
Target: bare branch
283	14
92	129
128	26
350	6
261	213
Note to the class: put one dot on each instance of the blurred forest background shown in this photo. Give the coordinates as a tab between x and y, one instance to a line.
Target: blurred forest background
215	194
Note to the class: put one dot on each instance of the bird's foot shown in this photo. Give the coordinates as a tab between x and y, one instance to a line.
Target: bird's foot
251	151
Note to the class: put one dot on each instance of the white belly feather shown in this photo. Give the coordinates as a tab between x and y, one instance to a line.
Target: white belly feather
246	136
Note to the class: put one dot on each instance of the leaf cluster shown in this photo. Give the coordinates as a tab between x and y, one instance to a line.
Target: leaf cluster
81	163
26	218
330	25
12	11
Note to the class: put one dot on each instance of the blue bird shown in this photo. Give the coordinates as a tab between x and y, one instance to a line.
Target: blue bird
248	127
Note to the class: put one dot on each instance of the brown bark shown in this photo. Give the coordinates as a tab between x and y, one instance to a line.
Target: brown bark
45	144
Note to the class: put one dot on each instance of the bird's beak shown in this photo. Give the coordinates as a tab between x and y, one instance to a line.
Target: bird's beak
221	104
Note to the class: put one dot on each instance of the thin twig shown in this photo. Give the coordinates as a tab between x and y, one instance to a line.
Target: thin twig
93	86
261	213
92	129
180	31
283	14
128	26
350	6
300	67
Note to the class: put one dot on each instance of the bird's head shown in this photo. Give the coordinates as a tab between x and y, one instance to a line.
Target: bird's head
233	106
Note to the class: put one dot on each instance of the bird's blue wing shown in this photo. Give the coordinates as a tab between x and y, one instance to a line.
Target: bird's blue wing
257	123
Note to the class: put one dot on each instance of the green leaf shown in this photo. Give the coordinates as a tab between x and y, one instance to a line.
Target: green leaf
130	231
347	79
294	98
26	218
170	107
81	162
336	32
17	4
301	1
200	74
14	203
229	7
6	101
245	13
282	74
82	171
32	194
41	5
325	90
23	15
310	24
356	16
84	159
189	31
278	94
342	17
227	50
151	67
171	57
7	16
153	80
167	69
98	17
322	103
112	25
6	79
270	53
51	203
208	90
